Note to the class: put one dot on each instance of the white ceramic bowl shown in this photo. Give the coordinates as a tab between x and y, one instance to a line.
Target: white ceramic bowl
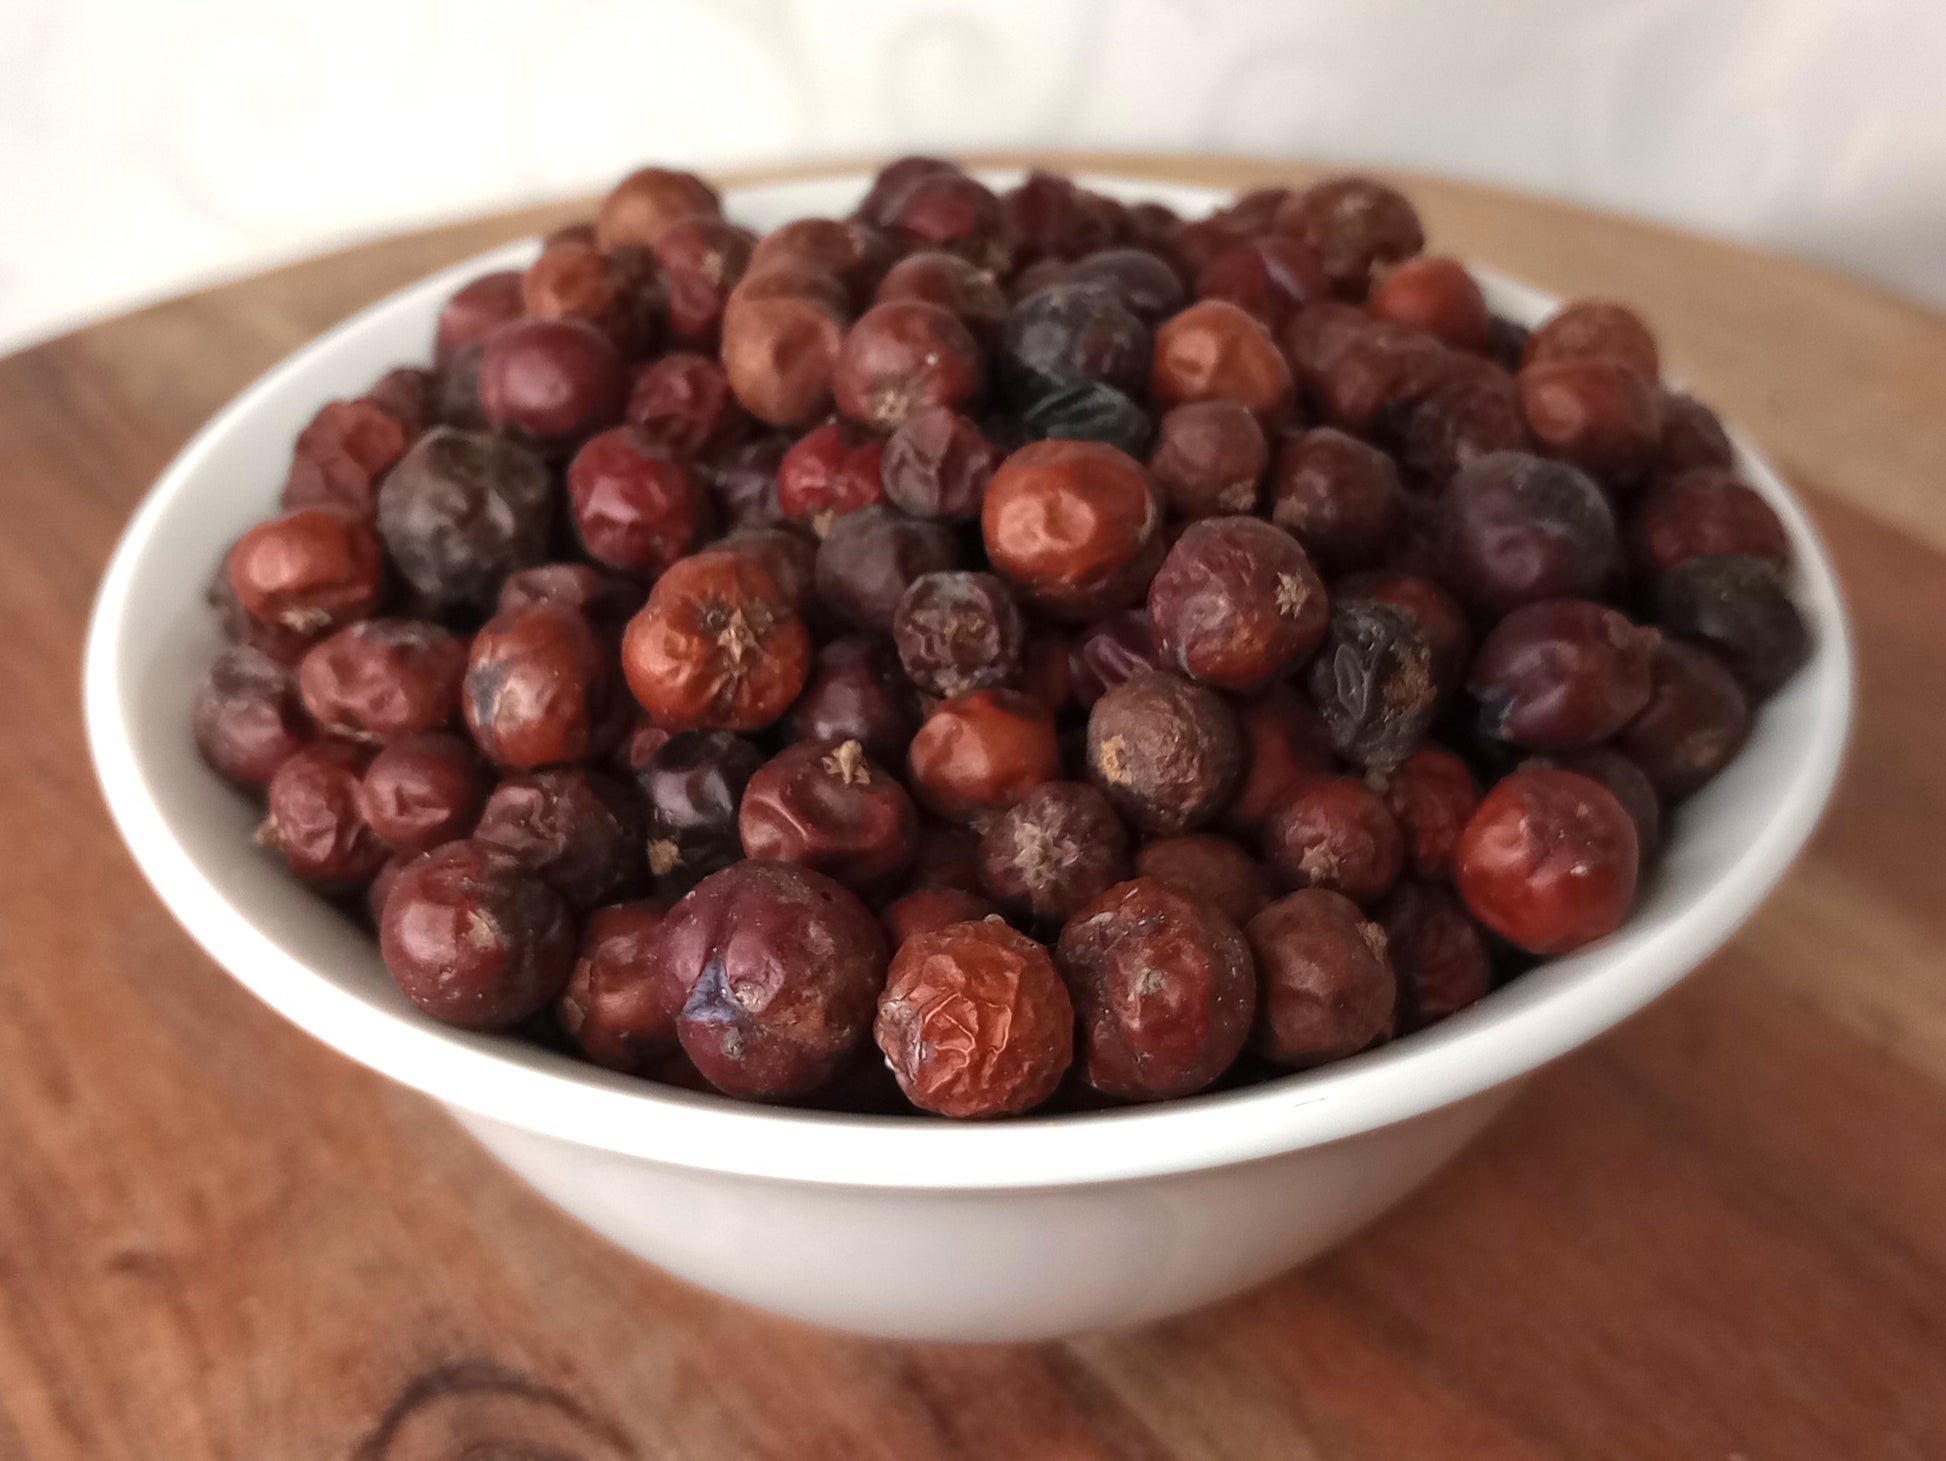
1017	1230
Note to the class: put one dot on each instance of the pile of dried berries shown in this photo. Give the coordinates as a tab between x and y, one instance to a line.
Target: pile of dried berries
1093	655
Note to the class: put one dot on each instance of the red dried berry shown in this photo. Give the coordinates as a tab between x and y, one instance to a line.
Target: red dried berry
1548	861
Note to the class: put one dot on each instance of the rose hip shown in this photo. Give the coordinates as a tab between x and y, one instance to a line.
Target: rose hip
1237	604
1591	329
1514	529
1337	833
1436	951
1053	850
771	970
1214	349
1338	496
1285	743
313	819
1738	607
902	357
423	790
474	938
1696	720
1164	987
381	679
1166	751
975	1021
1211	871
580	830
937	465
309	571
1073	525
553	381
693	786
828	472
538	688
1438	296
1702	512
717	645
1431	795
1373	684
959	631
830	807
460	512
1561	673
1325	987
1209	459
613	1007
1548	861
977	754
249	719
870	557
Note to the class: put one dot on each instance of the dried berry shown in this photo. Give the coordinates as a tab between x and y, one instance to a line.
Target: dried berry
693	786
553	381
341	457
1335	832
613	1007
979	753
580	830
1515	529
772	970
1237	603
1458	422
1435	295
384	678
1431	794
248	717
313	818
1703	512
1373	683
1164	987
857	692
538	688
974	1021
1143	281
1696	720
460	512
925	909
650	201
1111	651
871	557
1561	673
1272	276
1092	412
308	572
959	631
475	310
829	471
1215	350
1548	861
704	259
1072	335
902	357
1209	459
474	938
1075	525
717	645
1352	223
1436	951
635	507
1208	870
1285	743
1598	414
621	292
1628	782
1325	987
937	465
1337	496
1053	850
1591	329
1692	436
1438	616
1166	750
424	790
1738	607
830	807
951	283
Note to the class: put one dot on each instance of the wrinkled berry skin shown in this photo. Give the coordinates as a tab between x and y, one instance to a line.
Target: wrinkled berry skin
1337	833
1166	751
903	356
423	790
975	1022
717	645
1737	606
1237	604
313	818
1594	329
1165	988
871	557
959	631
1209	459
1111	651
538	688
771	971
1548	861
635	508
381	679
1072	335
979	753
580	830
476	939
693	785
460	512
1325	987
1053	850
1598	414
937	465
1209	870
829	807
1373	684
1437	952
1515	529
1073	525
613	1007
1560	674
1092	412
307	572
248	717
1696	720
1338	496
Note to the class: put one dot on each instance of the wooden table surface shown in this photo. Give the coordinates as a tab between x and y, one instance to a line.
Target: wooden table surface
1719	1232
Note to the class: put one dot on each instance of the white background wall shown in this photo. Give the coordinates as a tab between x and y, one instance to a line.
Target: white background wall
149	144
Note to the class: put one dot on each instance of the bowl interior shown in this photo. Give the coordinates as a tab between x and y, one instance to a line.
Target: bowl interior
151	637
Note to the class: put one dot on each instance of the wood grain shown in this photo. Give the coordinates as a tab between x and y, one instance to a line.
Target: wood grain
1716	1233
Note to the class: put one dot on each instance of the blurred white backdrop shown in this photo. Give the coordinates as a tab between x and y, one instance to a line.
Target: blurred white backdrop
147	146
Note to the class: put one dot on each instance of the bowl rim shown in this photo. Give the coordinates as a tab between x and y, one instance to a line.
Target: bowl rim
540	1091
